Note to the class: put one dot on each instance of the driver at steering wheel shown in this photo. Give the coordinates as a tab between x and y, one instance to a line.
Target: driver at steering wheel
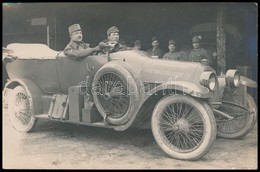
112	42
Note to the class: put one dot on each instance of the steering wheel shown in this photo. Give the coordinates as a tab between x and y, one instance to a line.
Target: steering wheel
111	47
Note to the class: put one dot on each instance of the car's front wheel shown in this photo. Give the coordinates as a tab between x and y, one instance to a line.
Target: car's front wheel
20	110
183	127
242	123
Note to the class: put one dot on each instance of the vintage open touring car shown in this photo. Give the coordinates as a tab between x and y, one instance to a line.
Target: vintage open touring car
184	103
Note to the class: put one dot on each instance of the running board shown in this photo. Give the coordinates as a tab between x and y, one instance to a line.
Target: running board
94	124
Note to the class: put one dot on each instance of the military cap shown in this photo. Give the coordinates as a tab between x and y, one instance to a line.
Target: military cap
196	39
172	42
137	42
154	39
112	29
73	28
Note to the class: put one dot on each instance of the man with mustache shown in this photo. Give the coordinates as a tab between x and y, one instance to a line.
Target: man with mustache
78	49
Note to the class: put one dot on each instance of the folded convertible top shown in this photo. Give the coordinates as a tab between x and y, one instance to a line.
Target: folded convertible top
32	51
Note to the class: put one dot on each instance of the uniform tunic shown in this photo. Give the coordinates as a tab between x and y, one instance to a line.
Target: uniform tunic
180	55
77	50
156	52
172	56
196	55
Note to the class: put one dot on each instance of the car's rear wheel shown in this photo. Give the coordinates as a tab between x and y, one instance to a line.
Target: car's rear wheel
183	127
242	123
20	110
115	93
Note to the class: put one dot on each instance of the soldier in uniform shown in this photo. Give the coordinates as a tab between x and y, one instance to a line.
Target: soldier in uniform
198	53
112	42
155	50
137	45
172	54
78	49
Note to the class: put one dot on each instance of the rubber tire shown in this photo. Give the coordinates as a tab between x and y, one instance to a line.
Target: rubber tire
253	107
11	106
251	121
120	69
208	120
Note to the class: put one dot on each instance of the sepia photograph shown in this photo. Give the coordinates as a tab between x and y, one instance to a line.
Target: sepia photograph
113	85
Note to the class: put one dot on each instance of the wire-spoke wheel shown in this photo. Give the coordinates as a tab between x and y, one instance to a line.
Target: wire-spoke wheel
20	110
114	96
243	122
183	127
115	93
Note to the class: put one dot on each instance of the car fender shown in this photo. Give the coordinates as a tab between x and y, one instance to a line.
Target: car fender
247	82
32	89
184	87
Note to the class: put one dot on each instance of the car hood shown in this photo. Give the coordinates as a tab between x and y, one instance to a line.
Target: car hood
160	71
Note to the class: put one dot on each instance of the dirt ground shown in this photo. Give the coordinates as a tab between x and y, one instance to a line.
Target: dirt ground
55	145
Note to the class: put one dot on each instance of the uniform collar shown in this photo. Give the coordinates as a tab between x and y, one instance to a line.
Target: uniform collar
75	45
196	49
172	52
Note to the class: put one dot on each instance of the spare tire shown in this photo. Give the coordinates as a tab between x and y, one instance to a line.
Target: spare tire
116	92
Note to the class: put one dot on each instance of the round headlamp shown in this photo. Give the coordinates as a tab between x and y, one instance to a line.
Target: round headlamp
233	78
209	80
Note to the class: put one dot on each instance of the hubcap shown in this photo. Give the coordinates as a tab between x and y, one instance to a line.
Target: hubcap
183	125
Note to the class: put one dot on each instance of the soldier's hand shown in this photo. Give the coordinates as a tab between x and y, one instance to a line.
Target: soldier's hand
112	44
102	45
